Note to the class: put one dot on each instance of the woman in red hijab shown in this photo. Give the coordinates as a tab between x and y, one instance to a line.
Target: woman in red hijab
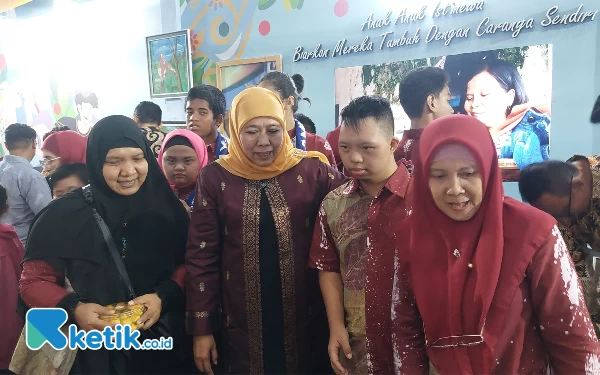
484	284
63	148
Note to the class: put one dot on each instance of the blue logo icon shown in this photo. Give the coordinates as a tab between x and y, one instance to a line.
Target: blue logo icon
43	326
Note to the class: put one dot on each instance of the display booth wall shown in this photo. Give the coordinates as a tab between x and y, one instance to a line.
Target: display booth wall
226	30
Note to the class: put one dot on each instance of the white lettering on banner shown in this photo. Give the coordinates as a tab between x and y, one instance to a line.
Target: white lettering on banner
342	49
515	27
452	9
318	53
404	41
372	23
487	27
447	36
577	17
405	17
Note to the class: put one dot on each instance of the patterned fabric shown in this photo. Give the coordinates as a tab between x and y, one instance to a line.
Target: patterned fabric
299	136
407	148
221	145
223	285
528	142
584	236
154	137
356	245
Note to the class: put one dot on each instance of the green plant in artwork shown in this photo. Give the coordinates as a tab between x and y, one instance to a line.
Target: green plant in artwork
514	55
385	78
169	65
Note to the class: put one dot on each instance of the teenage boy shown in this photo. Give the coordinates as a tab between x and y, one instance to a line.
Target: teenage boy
424	96
205	108
354	238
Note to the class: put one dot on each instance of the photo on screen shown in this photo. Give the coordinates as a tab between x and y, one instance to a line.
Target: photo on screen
509	90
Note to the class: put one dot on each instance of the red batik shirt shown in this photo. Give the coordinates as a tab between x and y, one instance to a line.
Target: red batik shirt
361	247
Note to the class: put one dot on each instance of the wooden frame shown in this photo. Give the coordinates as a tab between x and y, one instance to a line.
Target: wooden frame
160	67
236	75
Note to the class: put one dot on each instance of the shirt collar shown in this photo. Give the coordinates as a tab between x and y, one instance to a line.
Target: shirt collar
412	134
397	184
17	159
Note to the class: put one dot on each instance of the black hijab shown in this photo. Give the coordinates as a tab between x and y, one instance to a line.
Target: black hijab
156	230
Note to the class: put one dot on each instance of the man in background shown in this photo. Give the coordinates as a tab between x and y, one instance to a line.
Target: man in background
148	116
205	110
570	191
28	191
424	96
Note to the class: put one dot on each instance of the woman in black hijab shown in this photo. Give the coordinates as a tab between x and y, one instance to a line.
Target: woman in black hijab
149	227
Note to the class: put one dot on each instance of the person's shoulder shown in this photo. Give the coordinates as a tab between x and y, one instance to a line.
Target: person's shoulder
341	192
214	172
529	222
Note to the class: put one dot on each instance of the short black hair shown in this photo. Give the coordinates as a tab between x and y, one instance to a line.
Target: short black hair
369	106
287	86
91	98
148	113
309	125
78	170
58	129
3	198
595	118
19	136
507	76
550	176
213	96
417	85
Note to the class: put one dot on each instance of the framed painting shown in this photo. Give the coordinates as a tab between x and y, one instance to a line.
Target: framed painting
236	75
169	64
169	126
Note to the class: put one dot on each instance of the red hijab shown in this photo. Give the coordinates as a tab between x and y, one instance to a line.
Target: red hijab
454	299
70	146
201	153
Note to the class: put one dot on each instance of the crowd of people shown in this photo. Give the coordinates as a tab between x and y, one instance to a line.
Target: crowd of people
263	248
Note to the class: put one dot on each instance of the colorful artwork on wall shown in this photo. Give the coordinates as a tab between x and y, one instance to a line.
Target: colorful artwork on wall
169	64
236	75
507	89
220	30
43	104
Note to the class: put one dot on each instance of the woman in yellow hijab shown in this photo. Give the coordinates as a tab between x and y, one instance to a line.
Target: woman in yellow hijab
248	285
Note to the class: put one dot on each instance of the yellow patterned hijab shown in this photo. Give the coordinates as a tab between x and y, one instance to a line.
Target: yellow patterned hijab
258	102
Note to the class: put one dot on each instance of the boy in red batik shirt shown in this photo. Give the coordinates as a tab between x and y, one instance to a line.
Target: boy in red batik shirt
354	252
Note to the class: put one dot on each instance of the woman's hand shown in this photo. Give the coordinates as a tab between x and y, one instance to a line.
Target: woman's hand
153	309
87	316
338	339
204	349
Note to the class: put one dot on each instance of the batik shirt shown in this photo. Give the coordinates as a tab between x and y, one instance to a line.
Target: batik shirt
354	235
582	237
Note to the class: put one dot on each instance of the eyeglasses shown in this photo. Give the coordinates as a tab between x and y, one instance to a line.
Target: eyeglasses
462	340
47	162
